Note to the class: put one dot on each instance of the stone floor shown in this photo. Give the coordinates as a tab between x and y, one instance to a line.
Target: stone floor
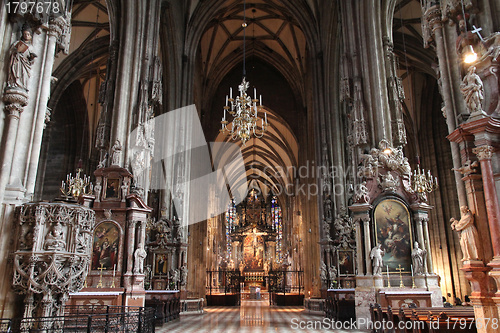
250	317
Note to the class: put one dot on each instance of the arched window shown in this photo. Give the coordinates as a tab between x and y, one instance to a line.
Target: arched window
230	218
277	224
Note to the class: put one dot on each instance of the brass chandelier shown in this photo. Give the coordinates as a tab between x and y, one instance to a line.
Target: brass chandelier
243	108
422	183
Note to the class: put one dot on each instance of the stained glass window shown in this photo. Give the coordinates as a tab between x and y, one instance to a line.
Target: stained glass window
277	224
230	218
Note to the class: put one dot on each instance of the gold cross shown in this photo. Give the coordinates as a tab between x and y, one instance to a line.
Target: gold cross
99	285
400	269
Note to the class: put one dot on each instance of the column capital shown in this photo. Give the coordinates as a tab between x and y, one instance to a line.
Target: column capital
484	152
433	16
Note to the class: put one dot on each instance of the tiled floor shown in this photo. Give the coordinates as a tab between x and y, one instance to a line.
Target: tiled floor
251	316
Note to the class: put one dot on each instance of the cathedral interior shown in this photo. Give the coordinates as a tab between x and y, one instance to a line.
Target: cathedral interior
209	153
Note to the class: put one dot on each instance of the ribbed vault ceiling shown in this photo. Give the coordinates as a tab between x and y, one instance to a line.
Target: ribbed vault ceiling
269	161
269	29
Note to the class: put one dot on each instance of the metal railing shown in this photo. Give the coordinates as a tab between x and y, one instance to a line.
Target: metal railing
86	319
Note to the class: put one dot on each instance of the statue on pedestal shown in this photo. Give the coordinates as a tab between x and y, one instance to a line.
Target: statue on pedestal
376	256
473	91
468	234
22	57
139	256
418	259
323	273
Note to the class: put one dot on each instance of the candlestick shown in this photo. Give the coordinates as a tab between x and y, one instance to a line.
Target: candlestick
388	281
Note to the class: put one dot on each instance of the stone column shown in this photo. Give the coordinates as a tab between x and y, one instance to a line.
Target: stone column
421	216
368	245
15	101
484	154
359	248
130	246
433	16
56	28
361	214
427	242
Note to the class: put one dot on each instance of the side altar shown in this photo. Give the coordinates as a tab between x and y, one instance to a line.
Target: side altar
391	215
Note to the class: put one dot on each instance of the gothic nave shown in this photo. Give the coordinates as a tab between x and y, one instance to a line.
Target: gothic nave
190	163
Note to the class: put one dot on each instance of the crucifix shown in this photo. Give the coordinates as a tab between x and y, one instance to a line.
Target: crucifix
477	31
400	269
99	285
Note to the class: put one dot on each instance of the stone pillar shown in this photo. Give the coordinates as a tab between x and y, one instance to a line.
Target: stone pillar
433	16
484	154
56	28
15	101
359	247
421	218
430	266
130	246
368	245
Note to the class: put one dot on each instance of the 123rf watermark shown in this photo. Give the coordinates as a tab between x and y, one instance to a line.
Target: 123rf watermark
363	323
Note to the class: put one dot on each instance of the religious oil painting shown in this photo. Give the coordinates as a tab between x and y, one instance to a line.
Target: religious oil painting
106	246
112	188
253	252
393	232
346	262
160	264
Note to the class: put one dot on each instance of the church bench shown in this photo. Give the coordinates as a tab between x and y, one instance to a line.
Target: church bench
426	319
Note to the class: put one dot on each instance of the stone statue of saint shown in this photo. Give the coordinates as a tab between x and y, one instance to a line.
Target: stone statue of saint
22	57
376	256
139	256
116	152
332	273
174	277
328	206
184	274
472	89
55	238
418	259
468	234
326	231
323	273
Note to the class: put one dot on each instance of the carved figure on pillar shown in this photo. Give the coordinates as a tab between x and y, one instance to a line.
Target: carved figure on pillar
465	38
376	256
473	91
332	273
22	57
116	152
139	256
418	259
361	195
184	274
468	234
323	273
55	238
328	206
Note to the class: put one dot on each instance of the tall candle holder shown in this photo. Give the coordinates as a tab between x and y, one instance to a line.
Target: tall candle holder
400	269
388	279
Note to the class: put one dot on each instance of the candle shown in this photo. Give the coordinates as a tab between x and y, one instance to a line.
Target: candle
231	93
254	93
226	100
224	119
387	272
411	270
265	117
261	100
114	269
